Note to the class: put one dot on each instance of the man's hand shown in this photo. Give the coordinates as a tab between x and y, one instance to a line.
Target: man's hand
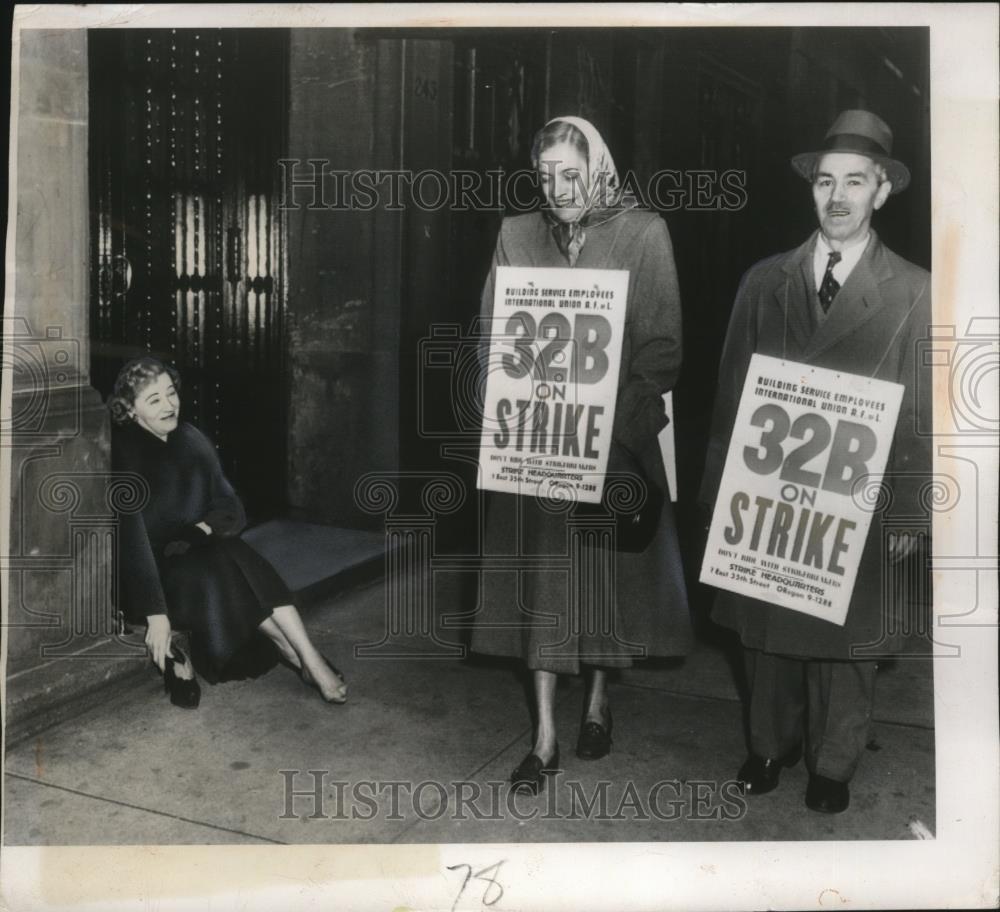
158	639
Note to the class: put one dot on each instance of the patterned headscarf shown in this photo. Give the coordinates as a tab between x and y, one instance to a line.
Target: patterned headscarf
605	200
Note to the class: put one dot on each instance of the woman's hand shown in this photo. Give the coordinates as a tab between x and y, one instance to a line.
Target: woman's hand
186	538
158	639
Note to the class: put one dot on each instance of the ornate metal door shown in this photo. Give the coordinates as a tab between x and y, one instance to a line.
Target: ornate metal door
186	128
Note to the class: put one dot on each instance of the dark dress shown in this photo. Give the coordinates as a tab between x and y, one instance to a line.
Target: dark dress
618	606
220	589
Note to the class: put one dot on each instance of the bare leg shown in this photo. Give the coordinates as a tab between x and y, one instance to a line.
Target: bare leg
545	697
289	632
597	701
273	631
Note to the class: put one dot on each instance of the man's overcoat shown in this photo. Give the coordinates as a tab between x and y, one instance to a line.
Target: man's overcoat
873	328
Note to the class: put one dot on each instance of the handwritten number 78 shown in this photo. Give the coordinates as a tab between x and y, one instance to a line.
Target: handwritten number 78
492	884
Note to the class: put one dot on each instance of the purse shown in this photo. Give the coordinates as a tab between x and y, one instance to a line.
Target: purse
631	500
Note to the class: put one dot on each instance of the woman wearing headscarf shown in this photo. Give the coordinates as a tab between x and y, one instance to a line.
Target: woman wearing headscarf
539	615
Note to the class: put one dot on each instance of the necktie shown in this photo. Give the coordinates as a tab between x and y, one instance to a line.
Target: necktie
830	286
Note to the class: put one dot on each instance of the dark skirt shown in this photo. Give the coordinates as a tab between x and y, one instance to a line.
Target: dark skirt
220	592
561	603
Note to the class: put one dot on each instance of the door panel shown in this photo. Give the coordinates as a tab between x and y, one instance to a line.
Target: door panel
187	239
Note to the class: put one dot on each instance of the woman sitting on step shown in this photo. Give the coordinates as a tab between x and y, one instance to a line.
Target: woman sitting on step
182	564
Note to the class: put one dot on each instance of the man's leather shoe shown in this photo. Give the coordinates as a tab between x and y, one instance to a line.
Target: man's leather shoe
760	775
827	795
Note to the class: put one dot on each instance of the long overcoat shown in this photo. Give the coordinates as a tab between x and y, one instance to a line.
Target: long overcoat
552	608
874	328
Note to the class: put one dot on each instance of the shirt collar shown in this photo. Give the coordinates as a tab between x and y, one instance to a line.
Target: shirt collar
848	255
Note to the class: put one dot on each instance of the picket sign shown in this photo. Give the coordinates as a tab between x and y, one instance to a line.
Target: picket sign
803	471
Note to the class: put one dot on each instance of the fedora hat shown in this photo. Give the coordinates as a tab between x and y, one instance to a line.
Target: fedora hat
863	133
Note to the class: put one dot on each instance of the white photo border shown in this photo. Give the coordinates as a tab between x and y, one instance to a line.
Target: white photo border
958	868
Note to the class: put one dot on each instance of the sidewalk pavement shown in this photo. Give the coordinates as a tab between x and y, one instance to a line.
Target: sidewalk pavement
136	770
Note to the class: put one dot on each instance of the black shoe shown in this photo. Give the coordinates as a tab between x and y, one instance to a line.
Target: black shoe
760	775
595	740
183	693
531	772
827	795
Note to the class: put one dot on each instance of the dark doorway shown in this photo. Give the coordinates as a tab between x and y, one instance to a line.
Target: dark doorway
499	103
495	101
187	242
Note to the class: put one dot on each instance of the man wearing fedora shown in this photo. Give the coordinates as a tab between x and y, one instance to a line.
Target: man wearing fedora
843	301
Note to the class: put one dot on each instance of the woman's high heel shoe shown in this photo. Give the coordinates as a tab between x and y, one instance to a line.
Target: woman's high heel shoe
185	693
